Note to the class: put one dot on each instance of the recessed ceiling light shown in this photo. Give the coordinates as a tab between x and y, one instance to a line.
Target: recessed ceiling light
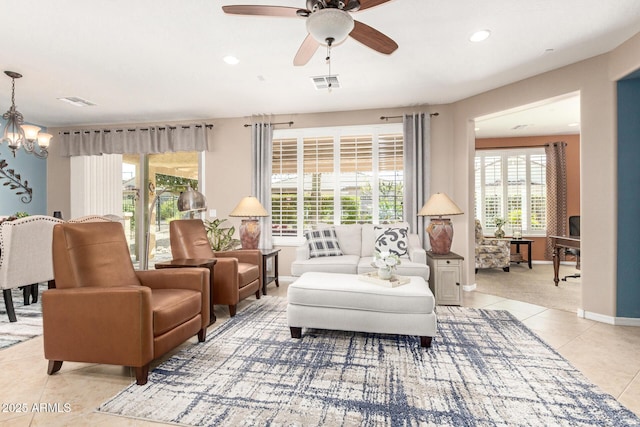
231	60
574	124
479	36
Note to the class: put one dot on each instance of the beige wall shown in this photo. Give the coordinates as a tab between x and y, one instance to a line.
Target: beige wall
228	174
594	79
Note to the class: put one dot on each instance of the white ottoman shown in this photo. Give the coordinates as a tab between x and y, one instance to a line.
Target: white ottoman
346	303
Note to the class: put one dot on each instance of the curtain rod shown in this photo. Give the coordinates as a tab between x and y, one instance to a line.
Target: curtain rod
512	147
399	117
281	123
130	130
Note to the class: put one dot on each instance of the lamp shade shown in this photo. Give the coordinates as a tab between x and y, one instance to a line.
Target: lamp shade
191	200
249	206
330	23
439	204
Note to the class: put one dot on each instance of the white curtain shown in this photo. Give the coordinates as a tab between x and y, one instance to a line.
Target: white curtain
96	186
139	140
417	159
261	149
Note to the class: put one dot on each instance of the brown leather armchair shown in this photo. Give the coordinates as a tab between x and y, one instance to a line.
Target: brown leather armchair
103	311
238	274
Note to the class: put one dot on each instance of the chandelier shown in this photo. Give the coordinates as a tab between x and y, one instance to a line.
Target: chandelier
17	134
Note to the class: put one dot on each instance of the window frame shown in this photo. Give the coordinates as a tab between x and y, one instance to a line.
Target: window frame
480	208
336	133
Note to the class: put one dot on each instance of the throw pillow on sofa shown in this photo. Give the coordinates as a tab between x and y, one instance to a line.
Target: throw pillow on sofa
322	243
394	240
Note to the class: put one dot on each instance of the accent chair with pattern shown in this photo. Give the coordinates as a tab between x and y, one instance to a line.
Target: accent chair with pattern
491	253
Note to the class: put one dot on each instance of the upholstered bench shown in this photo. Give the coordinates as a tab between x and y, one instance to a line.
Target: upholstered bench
347	303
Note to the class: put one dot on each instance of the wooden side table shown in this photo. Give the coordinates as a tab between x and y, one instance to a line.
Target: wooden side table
266	278
517	257
195	262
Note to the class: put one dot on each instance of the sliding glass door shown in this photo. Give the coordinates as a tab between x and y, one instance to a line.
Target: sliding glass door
151	185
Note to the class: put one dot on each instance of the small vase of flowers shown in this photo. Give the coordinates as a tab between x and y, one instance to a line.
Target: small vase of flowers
386	264
499	233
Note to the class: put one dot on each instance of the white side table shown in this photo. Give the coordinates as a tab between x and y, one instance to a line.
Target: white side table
444	281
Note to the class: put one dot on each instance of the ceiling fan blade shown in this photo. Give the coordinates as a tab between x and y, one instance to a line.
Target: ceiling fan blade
368	4
288	12
373	38
306	51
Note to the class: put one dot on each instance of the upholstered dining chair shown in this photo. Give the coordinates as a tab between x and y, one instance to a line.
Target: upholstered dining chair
491	253
103	311
25	257
238	273
95	218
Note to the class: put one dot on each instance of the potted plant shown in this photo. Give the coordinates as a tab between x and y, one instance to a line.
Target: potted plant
220	238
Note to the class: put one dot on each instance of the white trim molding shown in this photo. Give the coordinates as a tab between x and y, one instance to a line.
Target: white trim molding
469	288
610	320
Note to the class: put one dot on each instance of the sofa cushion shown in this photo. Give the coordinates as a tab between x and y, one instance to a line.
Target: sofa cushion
322	243
173	307
347	264
349	238
247	273
394	240
342	291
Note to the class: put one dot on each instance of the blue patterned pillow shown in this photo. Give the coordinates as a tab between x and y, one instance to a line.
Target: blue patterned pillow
394	240
322	243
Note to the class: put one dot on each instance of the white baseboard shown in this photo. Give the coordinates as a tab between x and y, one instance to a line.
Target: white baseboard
469	288
551	262
610	320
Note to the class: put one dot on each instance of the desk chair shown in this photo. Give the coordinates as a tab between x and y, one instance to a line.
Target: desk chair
574	231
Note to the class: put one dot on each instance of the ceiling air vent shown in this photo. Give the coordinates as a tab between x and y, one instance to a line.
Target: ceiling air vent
78	102
326	82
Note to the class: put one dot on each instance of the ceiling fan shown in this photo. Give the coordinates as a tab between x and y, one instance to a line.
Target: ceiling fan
328	22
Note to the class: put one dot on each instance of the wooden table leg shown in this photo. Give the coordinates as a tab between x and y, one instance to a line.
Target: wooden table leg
556	263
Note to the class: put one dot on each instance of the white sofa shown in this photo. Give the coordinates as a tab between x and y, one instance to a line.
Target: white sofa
357	242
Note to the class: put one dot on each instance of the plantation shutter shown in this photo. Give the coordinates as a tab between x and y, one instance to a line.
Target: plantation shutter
516	191
391	177
356	179
493	190
318	180
284	187
538	188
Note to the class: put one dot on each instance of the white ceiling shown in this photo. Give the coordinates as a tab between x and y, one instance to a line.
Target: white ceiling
161	60
556	116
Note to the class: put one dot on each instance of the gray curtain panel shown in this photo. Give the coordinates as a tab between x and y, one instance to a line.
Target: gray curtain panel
135	140
417	161
556	194
261	149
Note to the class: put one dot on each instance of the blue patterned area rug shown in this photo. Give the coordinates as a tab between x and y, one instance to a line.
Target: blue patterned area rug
29	320
484	368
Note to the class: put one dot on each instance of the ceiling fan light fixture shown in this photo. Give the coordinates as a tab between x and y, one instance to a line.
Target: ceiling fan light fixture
330	24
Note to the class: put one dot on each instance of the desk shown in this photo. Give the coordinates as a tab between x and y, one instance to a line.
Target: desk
519	242
560	242
195	262
266	278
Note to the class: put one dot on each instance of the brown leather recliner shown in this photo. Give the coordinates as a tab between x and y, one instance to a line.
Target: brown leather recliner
237	274
103	311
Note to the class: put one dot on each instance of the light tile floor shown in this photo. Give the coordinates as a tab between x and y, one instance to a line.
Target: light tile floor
607	355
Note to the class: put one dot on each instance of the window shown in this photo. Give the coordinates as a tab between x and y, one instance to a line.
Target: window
340	175
511	184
